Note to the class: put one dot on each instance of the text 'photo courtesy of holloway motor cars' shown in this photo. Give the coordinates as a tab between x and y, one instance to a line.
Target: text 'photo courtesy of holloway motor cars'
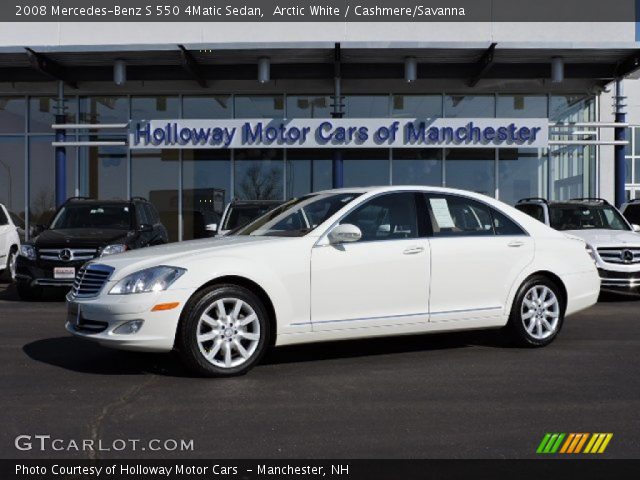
338	264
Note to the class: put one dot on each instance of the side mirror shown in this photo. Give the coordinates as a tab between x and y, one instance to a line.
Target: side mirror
145	228
636	227
344	233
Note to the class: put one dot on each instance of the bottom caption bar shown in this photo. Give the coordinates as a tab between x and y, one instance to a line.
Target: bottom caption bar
329	469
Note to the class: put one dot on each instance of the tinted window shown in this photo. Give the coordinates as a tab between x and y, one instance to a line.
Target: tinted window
632	213
141	214
150	216
535	211
3	218
585	217
387	217
93	216
503	225
241	215
458	216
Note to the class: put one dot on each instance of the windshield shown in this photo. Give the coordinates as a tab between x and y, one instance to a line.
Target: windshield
240	215
586	217
116	217
299	216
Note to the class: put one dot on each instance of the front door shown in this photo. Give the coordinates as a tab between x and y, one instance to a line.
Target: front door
382	279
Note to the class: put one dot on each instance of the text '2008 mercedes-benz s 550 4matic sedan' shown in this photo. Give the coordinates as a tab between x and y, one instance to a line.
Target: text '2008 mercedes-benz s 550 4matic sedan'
338	264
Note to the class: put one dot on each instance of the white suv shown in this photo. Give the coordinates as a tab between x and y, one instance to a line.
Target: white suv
9	244
613	242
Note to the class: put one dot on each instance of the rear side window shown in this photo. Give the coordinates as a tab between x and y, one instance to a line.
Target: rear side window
504	225
535	211
632	213
141	215
455	216
151	214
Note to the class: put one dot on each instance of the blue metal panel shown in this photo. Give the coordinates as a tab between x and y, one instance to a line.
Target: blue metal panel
61	165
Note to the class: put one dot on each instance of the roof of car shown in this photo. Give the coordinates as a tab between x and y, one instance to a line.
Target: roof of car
555	203
93	201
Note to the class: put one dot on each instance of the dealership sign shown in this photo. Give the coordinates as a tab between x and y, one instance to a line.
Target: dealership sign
341	133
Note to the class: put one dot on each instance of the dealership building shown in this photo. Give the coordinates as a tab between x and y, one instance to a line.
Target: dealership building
73	97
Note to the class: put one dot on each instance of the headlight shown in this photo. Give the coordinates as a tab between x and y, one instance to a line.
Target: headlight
153	279
111	249
28	251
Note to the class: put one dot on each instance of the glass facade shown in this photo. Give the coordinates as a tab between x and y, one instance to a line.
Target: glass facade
632	159
191	187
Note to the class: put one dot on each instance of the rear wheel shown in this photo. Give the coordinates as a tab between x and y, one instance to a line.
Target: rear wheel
224	331
537	313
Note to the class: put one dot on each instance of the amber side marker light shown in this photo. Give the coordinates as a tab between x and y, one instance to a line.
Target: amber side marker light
165	306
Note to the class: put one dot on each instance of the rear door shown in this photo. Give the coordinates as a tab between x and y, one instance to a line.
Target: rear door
476	255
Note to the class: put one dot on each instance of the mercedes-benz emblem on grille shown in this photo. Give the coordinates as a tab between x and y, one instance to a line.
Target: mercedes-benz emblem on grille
626	256
65	255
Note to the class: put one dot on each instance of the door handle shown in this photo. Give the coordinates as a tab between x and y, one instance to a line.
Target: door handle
516	244
413	250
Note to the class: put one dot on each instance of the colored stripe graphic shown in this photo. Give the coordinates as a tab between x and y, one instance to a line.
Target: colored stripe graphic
573	443
550	443
598	443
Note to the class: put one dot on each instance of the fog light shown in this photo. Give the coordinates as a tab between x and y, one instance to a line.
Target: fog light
129	328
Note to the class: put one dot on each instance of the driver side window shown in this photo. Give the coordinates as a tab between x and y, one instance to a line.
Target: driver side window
387	217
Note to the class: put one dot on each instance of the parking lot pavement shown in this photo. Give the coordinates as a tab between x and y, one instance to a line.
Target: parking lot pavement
443	396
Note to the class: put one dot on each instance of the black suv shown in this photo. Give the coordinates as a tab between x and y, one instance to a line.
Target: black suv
83	229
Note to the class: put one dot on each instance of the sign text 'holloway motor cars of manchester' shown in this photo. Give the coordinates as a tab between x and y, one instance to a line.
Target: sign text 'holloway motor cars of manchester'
341	133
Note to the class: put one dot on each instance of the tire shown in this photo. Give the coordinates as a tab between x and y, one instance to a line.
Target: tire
28	293
9	273
537	313
216	345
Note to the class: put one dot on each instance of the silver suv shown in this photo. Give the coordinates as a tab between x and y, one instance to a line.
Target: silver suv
613	242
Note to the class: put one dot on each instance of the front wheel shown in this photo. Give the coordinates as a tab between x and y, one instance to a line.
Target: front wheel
223	332
537	313
10	271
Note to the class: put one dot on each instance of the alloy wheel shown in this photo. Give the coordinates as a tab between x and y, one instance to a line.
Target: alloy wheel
228	332
540	312
13	260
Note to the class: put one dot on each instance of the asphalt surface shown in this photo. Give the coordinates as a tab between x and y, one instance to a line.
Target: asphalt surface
464	395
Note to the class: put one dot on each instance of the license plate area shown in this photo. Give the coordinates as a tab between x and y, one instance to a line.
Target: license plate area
64	273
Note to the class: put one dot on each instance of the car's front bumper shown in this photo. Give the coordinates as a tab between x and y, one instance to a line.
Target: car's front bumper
620	280
99	317
41	272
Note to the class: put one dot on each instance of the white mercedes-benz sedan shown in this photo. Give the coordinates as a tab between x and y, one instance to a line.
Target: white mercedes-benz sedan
338	264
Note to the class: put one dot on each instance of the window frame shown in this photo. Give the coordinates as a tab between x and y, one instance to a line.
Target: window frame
491	209
422	224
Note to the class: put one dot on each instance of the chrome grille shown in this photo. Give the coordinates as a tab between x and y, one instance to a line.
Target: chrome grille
68	254
620	255
90	280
